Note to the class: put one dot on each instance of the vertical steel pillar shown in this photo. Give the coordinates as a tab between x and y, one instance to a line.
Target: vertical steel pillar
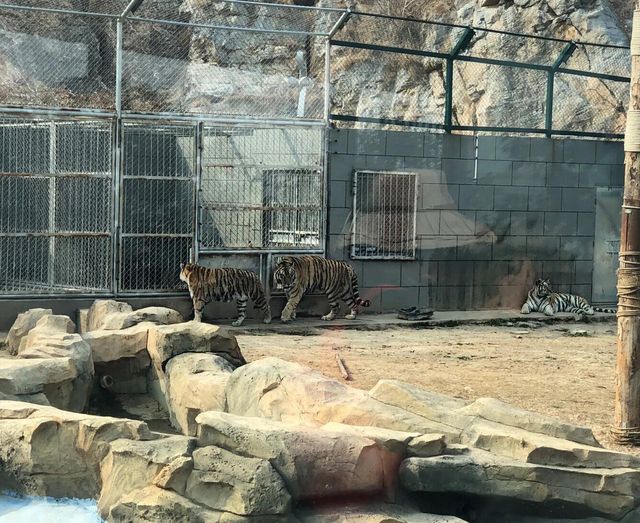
551	77
462	43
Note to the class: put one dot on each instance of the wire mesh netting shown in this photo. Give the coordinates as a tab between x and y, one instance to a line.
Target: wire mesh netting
480	100
261	188
185	69
56	206
389	71
580	102
376	84
157	210
57	60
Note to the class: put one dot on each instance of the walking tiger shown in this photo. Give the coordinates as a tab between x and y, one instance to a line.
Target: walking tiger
224	284
302	274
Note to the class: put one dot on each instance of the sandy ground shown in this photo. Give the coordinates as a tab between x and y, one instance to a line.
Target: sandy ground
542	368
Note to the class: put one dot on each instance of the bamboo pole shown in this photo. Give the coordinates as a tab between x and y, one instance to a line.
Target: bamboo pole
626	428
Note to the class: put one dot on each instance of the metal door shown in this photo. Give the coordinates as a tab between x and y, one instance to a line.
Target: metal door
157	212
607	244
56	206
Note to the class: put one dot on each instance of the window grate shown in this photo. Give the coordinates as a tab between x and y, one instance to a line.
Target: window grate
384	217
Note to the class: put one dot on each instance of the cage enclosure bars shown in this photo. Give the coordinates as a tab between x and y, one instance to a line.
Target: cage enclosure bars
551	75
462	43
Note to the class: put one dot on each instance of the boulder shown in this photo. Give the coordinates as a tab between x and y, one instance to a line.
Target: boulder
39	457
21	327
82	321
112	345
153	504
49	452
47	328
196	383
56	323
532	447
393	440
102	308
167	341
430	405
132	465
126	319
44	345
609	492
30	376
283	391
426	446
495	410
175	474
226	482
374	513
38	398
315	464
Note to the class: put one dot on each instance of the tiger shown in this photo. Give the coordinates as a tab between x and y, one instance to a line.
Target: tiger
299	275
224	284
541	298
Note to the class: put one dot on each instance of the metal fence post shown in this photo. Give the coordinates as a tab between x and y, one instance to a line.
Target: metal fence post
551	76
460	46
51	265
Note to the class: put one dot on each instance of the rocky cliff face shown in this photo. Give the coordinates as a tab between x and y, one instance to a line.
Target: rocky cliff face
412	88
59	60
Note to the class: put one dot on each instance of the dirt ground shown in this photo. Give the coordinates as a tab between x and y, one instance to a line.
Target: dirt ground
542	368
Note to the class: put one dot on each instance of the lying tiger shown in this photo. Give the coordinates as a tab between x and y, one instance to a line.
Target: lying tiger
542	299
224	284
299	275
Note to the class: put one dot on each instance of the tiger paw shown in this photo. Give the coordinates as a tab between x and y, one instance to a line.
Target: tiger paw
237	323
350	316
267	321
328	317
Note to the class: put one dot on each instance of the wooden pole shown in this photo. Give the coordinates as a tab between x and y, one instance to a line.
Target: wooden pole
343	369
626	428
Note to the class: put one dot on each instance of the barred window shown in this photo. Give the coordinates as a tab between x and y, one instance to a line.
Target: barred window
384	215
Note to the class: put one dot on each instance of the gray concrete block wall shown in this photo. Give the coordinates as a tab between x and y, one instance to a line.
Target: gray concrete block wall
486	228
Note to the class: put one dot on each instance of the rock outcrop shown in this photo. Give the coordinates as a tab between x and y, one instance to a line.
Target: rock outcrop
21	327
51	365
196	384
273	441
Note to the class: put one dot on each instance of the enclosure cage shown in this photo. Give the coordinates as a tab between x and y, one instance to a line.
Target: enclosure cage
136	135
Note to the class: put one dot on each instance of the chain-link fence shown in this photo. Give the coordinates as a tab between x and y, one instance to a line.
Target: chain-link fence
56	211
138	133
394	71
226	57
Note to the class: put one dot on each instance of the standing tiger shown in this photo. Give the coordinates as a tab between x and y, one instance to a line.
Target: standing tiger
541	298
301	274
224	284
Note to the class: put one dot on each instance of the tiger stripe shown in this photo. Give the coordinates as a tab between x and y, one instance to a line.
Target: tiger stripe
541	298
224	284
300	275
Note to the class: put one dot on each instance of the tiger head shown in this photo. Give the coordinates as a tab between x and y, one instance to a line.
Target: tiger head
285	273
185	271
543	288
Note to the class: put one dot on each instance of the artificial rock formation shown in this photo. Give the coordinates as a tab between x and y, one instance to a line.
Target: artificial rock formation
195	384
21	327
51	364
273	441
